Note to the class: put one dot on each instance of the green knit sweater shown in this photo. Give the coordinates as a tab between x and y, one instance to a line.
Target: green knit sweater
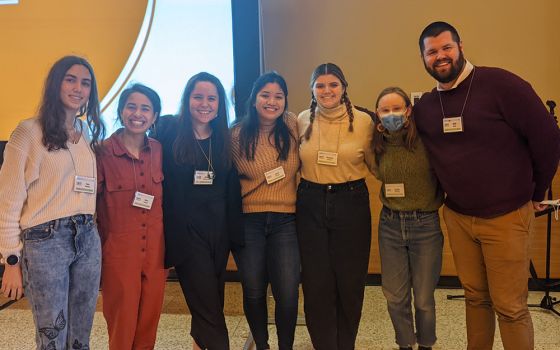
412	168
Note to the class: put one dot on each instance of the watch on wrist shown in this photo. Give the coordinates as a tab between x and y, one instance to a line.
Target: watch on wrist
11	260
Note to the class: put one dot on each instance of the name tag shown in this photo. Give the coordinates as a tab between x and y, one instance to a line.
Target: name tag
394	190
203	177
274	175
143	200
454	124
327	158
84	184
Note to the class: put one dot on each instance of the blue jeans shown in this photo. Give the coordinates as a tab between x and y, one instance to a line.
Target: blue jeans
61	265
410	246
270	254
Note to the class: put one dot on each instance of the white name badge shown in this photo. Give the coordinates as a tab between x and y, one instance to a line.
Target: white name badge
453	124
327	158
394	190
203	177
274	175
84	184
143	200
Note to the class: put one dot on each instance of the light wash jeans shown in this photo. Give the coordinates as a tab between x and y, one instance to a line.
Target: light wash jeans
61	268
410	246
270	254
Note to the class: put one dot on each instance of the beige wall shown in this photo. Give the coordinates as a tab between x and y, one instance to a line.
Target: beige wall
376	41
35	33
376	44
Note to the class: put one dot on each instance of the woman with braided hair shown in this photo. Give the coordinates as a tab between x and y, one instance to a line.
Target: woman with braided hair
332	209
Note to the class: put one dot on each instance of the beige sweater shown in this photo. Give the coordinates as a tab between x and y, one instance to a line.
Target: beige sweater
257	194
330	129
37	186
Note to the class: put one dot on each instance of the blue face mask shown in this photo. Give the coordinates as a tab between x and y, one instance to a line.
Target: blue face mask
393	122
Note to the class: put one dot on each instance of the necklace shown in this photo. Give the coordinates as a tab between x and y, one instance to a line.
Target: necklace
211	172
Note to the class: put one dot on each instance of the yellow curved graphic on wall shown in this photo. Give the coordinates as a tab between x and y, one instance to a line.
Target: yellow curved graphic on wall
35	33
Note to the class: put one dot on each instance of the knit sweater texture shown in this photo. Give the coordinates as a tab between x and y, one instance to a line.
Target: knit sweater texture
330	133
37	186
411	168
257	194
508	152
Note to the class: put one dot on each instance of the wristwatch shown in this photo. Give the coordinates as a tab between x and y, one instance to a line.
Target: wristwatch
11	260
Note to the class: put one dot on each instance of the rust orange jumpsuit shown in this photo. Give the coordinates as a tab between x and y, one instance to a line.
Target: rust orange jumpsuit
132	275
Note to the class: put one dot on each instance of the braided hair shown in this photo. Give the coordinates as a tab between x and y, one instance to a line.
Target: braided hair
324	69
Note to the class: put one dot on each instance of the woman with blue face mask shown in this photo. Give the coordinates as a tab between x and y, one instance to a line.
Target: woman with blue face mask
410	237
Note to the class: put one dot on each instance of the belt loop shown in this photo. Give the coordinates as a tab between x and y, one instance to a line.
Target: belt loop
54	224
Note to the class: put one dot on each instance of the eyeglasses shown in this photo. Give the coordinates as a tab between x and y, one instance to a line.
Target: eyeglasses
383	111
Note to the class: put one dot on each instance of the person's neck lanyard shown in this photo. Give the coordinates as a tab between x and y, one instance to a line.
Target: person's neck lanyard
83	184
325	157
143	200
202	177
455	124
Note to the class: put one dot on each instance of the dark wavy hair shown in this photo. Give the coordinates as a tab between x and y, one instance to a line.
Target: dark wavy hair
141	89
324	69
184	146
409	136
52	115
249	124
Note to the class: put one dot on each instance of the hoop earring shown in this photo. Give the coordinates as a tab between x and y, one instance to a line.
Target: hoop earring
380	128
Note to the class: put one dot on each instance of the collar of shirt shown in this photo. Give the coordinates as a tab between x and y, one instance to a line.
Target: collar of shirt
464	74
119	148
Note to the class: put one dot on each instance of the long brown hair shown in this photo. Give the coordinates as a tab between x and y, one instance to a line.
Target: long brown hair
51	111
184	146
410	134
249	124
324	69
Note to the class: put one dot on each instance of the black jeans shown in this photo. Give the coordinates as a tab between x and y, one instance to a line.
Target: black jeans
270	254
334	233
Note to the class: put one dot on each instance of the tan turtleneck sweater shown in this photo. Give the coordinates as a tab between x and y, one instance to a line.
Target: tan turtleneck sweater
37	186
330	133
257	194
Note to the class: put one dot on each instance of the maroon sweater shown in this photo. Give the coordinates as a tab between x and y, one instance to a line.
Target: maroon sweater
508	152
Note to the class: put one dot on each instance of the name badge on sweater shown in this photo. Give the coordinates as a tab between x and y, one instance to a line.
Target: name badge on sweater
143	200
274	175
203	177
84	184
327	158
452	124
394	190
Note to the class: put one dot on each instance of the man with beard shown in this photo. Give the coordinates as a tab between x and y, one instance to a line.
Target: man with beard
495	149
